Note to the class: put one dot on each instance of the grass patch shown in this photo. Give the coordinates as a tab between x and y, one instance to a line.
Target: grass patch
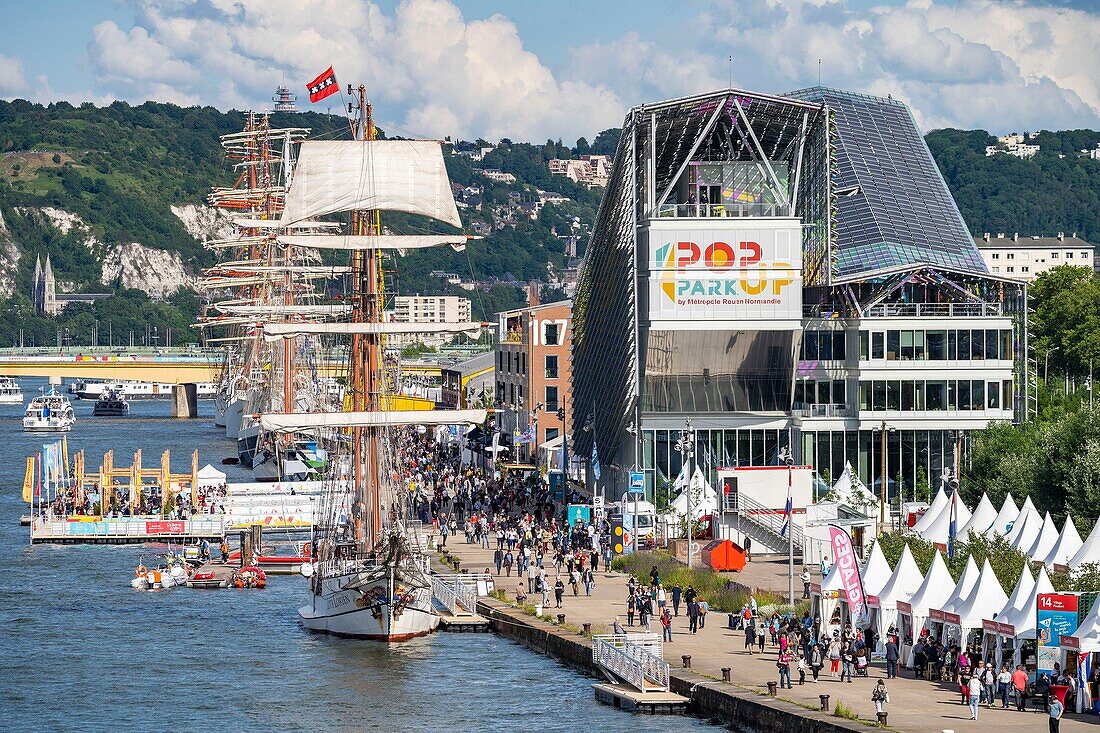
843	711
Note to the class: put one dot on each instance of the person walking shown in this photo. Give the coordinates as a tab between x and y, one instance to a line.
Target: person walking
498	559
761	634
892	656
805	582
647	611
847	661
748	549
975	687
589	580
801	669
631	605
1004	684
834	656
817	660
559	591
784	665
444	531
693	615
666	625
989	679
750	637
880	696
662	599
677	594
1054	713
703	608
1019	684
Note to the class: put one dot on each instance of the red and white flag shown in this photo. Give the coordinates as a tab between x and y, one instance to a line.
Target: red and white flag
323	86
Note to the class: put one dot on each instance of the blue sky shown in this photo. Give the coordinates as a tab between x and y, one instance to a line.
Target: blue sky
533	70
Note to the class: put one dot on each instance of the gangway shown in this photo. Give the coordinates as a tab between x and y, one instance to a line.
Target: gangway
459	592
763	523
635	659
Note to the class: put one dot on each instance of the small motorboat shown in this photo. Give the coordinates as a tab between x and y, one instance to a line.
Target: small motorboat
49	412
172	572
249	576
111	403
10	394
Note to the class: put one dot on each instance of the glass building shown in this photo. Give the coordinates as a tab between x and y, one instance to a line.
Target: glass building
787	271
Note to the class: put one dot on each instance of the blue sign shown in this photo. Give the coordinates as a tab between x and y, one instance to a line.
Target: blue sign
579	513
637	482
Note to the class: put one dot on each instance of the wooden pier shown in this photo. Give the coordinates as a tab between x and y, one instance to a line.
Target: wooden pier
631	700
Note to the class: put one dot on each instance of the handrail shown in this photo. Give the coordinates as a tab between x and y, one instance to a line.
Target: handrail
634	658
445	593
616	661
767	518
463	588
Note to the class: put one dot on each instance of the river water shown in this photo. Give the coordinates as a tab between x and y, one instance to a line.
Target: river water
81	651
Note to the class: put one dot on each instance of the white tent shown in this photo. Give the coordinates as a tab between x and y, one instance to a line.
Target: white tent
933	592
939	532
963	588
1044	542
827	597
849	490
980	520
1088	632
1024	536
876	572
1019	596
1090	549
986	599
1069	542
931	513
704	499
903	582
1005	517
1027	510
1015	625
209	476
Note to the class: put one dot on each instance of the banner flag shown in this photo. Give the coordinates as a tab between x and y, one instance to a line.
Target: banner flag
323	86
849	575
28	481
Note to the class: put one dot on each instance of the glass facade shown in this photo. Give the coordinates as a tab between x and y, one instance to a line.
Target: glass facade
893	206
967	344
920	395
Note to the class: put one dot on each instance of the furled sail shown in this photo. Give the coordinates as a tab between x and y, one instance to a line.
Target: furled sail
387	175
295	421
247	310
277	331
380	241
277	224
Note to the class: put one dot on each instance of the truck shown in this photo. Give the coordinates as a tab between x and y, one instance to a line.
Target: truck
647	519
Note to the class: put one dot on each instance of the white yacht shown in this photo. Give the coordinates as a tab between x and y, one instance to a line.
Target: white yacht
49	412
131	390
10	394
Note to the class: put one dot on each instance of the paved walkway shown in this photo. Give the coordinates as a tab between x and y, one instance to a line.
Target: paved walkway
916	706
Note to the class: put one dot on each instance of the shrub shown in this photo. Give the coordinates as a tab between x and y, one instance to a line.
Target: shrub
843	711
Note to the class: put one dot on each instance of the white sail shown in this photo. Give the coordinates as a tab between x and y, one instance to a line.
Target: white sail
277	331
386	175
295	421
379	241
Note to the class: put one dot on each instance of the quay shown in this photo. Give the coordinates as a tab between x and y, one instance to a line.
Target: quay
916	706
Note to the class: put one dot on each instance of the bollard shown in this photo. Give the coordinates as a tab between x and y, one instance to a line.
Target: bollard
732	621
561	619
725	674
882	718
465	570
686	659
824	702
458	564
771	688
586	629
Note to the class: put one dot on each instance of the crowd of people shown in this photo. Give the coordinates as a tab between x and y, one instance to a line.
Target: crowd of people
72	501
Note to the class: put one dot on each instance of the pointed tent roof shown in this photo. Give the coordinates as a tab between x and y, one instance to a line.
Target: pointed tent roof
1069	542
932	512
832	581
903	583
964	588
981	519
1044	541
986	598
934	590
1027	509
849	490
1090	549
1025	587
940	529
1088	631
876	572
1022	537
1008	513
1023	620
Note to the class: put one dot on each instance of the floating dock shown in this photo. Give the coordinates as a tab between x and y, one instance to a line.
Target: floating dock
464	624
631	700
128	531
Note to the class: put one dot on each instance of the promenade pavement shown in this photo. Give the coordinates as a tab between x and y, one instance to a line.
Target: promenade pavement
916	706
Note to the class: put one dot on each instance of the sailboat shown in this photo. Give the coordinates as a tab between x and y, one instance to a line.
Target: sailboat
370	575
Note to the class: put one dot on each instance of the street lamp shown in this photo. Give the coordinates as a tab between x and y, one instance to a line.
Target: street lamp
787	457
686	446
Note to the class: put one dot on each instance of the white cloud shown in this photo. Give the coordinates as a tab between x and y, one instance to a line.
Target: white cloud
12	81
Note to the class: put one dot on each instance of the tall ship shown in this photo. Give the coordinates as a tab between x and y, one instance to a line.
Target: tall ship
49	412
370	574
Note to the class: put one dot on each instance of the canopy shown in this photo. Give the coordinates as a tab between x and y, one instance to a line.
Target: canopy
986	598
849	490
278	331
1023	620
1028	531
1027	509
386	175
1069	542
980	520
931	512
209	476
876	572
831	582
294	421
1044	542
902	584
939	531
934	590
1025	587
704	499
964	588
1005	517
1090	550
1088	631
375	241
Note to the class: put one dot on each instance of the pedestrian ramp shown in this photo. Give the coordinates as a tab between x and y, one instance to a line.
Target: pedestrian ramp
458	593
634	659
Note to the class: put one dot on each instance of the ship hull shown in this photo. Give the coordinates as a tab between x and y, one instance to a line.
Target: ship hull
234	414
370	612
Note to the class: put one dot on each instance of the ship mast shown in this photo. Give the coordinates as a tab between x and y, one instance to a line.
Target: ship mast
366	349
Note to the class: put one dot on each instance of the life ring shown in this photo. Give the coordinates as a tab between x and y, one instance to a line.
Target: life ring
140	571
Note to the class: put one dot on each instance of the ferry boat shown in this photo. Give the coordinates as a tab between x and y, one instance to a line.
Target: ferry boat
10	394
49	413
92	390
111	403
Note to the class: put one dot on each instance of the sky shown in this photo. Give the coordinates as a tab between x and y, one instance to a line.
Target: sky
561	69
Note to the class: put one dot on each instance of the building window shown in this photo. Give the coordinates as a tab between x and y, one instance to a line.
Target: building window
1010	256
1053	255
996	269
550	334
509	369
1084	255
551	402
551	366
1069	255
552	433
996	255
1011	269
877	345
1023	269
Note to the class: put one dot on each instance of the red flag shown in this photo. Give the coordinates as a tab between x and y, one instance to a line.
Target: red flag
323	86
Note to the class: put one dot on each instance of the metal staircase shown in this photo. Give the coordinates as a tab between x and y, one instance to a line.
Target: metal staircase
763	523
632	658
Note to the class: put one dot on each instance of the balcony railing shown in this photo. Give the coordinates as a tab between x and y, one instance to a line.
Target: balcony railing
802	409
719	211
933	310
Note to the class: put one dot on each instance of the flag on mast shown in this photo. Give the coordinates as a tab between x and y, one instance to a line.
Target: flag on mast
951	528
323	86
787	508
595	461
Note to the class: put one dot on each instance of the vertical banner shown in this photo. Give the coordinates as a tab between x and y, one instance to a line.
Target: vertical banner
849	575
1056	616
28	481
